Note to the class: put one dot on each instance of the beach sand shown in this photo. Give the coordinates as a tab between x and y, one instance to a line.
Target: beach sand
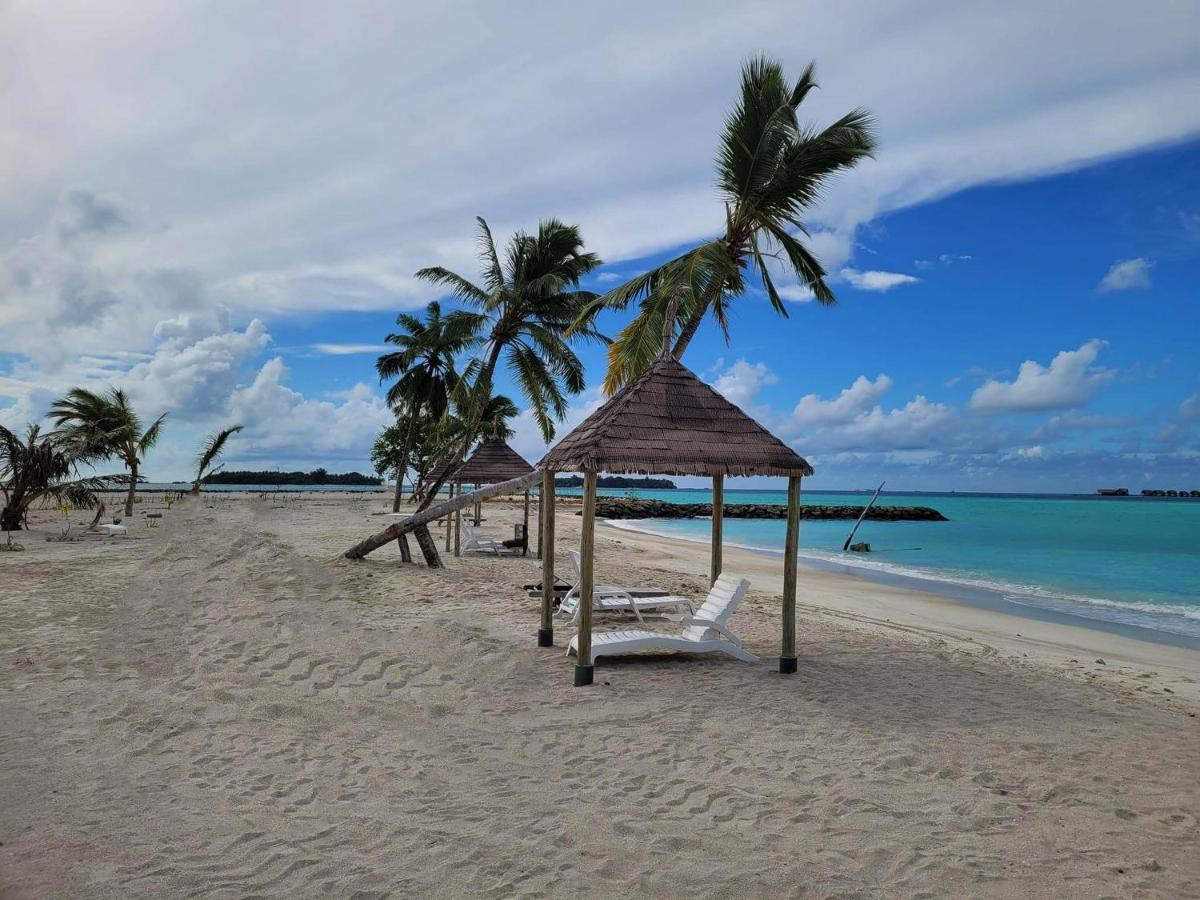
221	706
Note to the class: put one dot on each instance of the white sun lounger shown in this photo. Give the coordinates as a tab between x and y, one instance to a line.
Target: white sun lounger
703	632
473	541
610	598
111	530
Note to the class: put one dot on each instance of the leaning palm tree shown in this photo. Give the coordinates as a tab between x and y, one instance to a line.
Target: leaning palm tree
103	425
35	468
425	371
770	171
493	423
214	446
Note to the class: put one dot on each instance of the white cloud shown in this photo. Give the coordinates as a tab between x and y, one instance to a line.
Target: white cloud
742	382
796	293
283	423
607	277
349	349
876	281
863	394
1189	409
919	424
1127	275
1069	381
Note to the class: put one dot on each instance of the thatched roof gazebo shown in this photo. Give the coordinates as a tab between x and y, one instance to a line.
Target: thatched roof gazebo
667	422
492	462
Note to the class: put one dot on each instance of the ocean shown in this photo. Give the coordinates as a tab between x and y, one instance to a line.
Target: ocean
1124	562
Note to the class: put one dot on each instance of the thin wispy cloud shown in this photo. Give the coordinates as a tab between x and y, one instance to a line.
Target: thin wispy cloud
1127	275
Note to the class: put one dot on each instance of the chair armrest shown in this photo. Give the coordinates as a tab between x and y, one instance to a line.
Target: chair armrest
715	626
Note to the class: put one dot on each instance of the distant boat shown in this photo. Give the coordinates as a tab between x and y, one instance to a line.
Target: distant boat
1113	492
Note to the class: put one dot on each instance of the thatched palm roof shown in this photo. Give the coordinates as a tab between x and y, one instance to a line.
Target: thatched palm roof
492	462
669	422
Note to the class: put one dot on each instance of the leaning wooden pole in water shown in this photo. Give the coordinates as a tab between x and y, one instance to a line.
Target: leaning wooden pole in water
546	522
587	566
436	511
791	546
862	515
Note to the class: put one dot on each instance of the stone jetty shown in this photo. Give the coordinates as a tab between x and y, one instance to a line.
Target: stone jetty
622	508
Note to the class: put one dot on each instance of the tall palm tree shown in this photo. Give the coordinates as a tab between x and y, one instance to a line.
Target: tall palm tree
424	369
213	447
493	423
527	305
770	171
103	425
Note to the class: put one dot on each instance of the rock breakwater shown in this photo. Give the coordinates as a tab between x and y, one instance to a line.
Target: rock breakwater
619	508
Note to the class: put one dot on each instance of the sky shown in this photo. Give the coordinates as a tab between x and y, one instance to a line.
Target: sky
221	209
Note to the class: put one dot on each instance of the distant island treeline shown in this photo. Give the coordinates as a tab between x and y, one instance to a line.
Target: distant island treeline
316	476
618	481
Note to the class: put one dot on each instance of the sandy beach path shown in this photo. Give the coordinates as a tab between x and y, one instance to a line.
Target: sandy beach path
217	709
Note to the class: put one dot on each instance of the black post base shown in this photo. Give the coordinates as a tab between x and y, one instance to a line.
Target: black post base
787	665
583	676
545	637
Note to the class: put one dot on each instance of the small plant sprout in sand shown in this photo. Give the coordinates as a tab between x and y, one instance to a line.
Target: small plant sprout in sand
168	501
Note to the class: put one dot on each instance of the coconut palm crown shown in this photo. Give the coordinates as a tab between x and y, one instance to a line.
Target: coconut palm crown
770	170
104	425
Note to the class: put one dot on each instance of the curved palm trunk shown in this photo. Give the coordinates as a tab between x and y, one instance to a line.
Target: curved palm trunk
402	465
689	330
133	474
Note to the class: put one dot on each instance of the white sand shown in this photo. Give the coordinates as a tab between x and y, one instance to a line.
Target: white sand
221	707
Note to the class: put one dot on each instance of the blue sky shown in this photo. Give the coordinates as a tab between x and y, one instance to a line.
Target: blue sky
1016	271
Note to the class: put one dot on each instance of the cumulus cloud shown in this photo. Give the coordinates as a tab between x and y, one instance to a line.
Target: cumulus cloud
1069	381
742	382
283	423
863	394
875	280
1127	275
919	424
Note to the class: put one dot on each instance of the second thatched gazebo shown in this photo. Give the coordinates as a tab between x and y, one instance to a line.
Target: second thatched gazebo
667	422
492	462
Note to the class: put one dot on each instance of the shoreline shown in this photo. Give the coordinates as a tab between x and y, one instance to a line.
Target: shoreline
1058	640
1024	601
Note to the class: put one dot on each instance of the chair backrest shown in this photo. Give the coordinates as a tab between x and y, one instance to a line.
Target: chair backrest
469	534
576	565
721	603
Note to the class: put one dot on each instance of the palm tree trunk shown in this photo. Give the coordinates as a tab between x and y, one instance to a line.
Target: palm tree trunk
689	331
133	473
402	465
424	517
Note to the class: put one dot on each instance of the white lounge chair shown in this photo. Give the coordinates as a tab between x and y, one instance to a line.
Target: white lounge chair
610	598
473	541
112	530
703	632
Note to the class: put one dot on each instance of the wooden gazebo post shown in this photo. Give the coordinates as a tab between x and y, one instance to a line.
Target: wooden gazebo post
458	526
449	525
525	527
478	508
546	522
787	657
587	548
718	511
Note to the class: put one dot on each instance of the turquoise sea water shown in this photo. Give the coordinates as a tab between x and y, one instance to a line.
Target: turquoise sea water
1126	561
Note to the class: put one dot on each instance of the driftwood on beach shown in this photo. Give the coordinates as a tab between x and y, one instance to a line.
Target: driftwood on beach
620	508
